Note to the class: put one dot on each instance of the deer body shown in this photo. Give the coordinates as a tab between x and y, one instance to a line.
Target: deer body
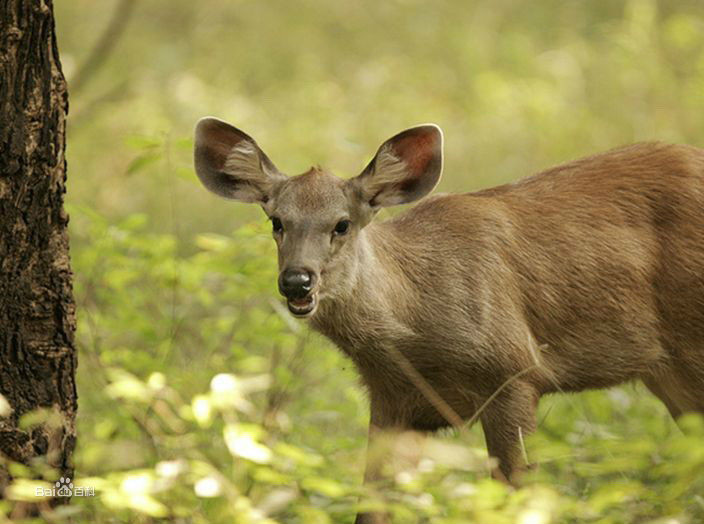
598	282
584	276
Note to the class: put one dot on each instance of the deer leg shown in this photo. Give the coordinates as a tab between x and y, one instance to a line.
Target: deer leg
681	390
377	455
660	390
392	447
506	421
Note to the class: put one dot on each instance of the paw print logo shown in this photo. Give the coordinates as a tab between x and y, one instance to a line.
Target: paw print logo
64	487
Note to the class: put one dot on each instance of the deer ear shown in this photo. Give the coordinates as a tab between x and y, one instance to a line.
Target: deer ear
230	163
406	167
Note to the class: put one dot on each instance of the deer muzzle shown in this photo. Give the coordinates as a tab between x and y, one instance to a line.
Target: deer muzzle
297	285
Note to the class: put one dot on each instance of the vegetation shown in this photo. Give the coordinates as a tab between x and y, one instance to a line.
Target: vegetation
200	399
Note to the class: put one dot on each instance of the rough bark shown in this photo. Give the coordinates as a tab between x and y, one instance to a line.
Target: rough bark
37	322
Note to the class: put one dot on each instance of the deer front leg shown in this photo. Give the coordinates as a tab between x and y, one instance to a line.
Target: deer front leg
377	457
506	420
391	448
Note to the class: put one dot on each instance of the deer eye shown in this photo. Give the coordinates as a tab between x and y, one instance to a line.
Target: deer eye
342	227
276	225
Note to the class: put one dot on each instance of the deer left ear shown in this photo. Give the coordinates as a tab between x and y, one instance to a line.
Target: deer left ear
405	168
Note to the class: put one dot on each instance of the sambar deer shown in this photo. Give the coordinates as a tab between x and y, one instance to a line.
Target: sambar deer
584	276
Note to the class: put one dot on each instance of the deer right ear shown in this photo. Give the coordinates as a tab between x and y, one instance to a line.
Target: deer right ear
230	163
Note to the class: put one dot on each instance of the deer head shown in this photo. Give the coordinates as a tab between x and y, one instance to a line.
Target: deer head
317	218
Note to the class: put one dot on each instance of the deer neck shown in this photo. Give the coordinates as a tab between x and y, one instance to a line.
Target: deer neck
366	307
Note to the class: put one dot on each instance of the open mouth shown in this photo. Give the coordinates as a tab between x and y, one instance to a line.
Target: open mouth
303	307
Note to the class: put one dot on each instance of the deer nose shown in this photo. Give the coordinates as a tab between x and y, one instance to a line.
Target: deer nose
295	282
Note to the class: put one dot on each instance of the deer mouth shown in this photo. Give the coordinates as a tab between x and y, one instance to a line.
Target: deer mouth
303	307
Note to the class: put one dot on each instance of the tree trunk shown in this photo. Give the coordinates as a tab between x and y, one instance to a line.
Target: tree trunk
37	321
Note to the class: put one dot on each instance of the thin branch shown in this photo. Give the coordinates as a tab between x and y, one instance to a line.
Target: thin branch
105	45
498	390
432	396
439	403
115	93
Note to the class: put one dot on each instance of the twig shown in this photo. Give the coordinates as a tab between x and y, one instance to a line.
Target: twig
115	93
104	46
523	445
426	389
498	390
434	398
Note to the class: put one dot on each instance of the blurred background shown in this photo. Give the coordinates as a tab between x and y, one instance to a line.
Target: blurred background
200	399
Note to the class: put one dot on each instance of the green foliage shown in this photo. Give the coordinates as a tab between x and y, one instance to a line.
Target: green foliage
200	399
203	402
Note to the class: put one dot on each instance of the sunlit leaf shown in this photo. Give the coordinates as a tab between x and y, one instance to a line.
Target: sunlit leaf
241	442
141	162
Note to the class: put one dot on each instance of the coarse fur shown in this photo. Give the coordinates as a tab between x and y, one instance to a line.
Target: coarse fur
584	276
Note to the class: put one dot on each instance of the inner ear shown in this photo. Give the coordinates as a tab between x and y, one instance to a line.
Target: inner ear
406	167
231	164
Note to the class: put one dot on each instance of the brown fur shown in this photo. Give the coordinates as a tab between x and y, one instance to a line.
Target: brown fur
583	276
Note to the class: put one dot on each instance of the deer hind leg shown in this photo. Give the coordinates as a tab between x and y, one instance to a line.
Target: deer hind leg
665	395
506	420
682	391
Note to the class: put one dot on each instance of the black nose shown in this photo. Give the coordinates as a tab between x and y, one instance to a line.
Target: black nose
295	283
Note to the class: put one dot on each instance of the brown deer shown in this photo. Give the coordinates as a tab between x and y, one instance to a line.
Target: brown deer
584	276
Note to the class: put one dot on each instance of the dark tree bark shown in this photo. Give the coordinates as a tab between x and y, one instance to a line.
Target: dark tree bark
37	322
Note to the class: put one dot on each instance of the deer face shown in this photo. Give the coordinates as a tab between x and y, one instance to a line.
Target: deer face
317	218
315	221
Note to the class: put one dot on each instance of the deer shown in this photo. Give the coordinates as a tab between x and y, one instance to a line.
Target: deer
474	306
